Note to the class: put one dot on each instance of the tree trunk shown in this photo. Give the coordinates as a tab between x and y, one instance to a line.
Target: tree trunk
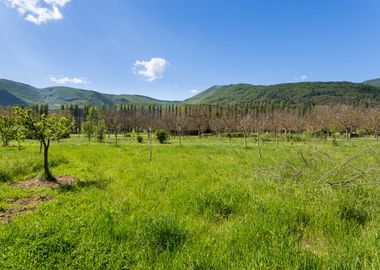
180	138
150	145
47	173
245	141
116	137
258	144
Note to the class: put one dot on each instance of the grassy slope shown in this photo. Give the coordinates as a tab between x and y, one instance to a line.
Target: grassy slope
375	82
172	213
293	93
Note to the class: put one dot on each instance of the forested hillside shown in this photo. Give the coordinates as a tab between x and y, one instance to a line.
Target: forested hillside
318	93
313	93
18	93
375	82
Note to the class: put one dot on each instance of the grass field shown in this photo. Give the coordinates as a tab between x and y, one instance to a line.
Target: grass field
209	205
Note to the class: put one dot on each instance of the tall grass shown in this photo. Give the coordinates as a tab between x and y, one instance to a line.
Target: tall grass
211	204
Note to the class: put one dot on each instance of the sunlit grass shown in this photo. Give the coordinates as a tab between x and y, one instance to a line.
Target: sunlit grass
210	204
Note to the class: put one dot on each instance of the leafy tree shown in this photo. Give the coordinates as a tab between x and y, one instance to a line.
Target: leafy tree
101	131
8	128
89	128
44	129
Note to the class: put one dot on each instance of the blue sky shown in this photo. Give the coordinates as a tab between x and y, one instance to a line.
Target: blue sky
169	49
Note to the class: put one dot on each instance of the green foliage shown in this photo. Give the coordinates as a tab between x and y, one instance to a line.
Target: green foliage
8	128
316	93
100	131
162	136
44	129
89	129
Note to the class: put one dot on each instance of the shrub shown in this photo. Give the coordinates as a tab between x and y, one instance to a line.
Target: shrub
140	139
162	136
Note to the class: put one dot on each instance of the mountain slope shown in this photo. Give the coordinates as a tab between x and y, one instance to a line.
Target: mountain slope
375	82
7	99
19	93
291	93
319	93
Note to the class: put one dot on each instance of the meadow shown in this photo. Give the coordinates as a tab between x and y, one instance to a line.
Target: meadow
210	204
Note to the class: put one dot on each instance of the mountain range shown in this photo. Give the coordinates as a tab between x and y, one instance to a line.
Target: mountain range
318	93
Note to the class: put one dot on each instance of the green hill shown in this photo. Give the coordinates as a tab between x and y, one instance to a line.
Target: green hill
291	93
19	93
7	99
375	82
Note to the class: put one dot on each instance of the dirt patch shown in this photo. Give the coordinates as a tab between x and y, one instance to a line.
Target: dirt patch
23	205
40	183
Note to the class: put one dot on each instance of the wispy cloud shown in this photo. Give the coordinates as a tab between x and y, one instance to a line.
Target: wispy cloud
66	80
301	78
151	70
38	11
194	91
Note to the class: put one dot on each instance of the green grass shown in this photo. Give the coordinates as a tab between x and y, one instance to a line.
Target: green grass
209	205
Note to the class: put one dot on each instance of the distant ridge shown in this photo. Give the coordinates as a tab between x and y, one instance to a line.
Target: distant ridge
375	82
23	94
317	93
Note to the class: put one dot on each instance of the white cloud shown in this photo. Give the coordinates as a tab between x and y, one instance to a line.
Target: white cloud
194	91
151	70
302	78
65	80
38	11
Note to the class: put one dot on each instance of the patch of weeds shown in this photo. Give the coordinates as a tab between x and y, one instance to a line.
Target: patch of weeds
355	205
221	203
355	213
4	176
17	169
58	160
99	183
202	262
310	262
299	224
165	234
52	249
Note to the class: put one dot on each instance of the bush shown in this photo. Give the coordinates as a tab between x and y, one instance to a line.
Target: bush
140	139
162	136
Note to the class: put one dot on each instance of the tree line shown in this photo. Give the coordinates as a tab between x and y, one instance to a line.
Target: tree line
245	120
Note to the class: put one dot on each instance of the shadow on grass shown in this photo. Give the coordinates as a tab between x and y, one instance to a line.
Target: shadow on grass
100	183
165	234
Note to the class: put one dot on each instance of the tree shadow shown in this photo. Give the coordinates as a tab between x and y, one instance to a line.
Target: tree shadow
100	183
